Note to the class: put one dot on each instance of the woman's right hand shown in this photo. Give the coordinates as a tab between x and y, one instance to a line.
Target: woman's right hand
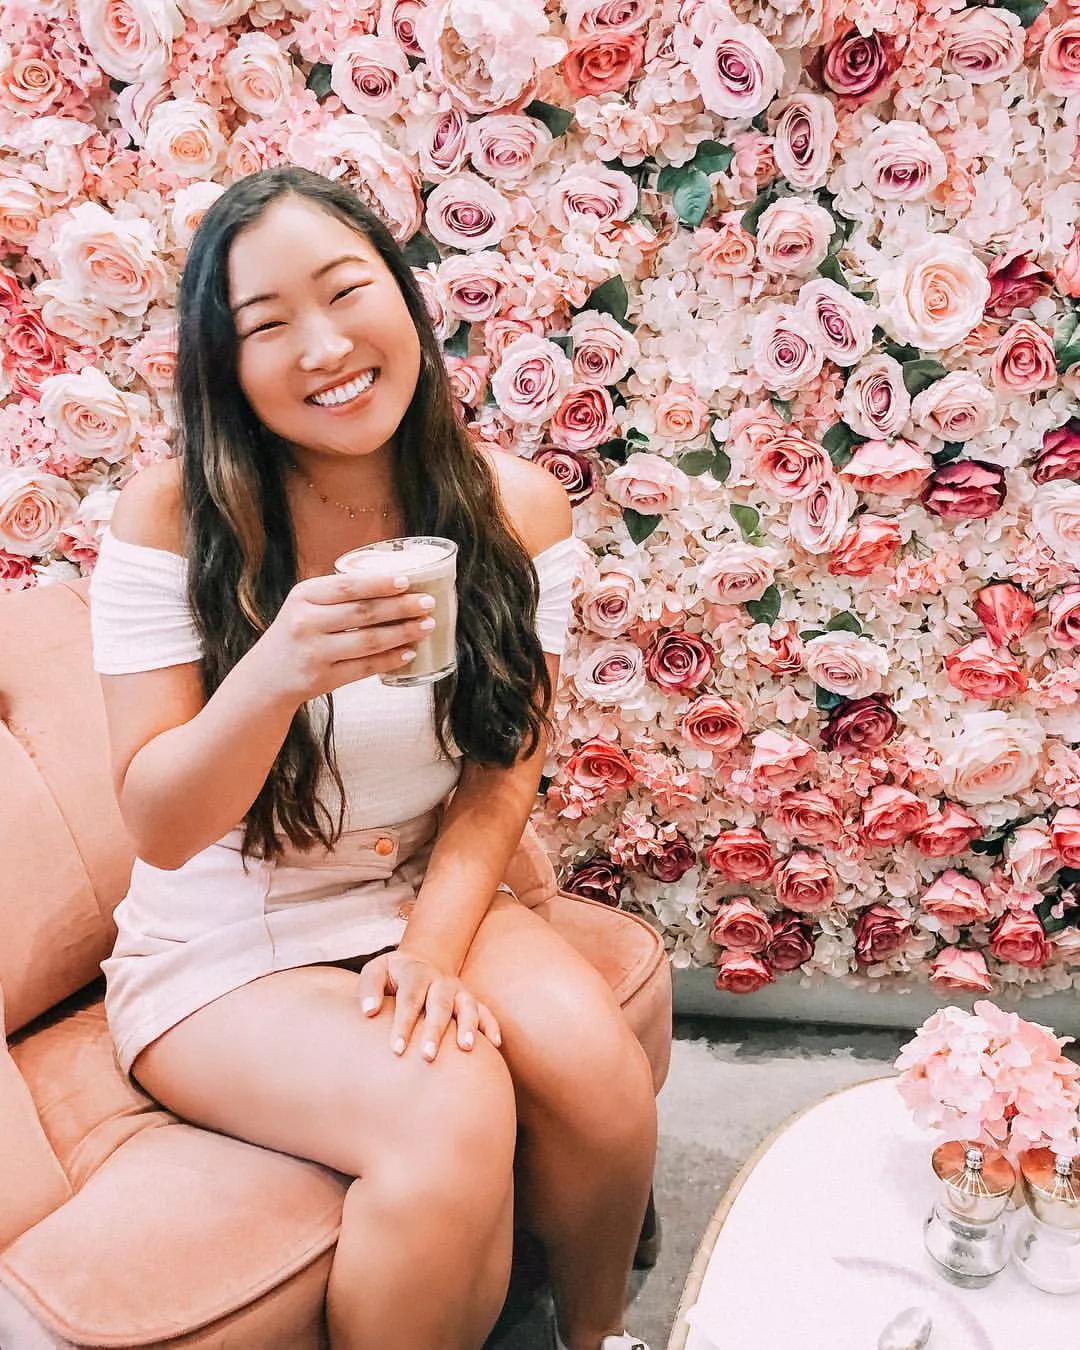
335	629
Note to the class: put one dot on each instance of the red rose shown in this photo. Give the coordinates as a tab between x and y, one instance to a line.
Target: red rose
674	859
947	833
603	63
31	353
1005	611
1020	938
857	67
741	855
1060	453
572	470
1016	282
678	661
598	879
860	726
792	943
741	973
880	931
741	926
966	489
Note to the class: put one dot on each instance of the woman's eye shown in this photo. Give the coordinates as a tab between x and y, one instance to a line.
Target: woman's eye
346	291
265	327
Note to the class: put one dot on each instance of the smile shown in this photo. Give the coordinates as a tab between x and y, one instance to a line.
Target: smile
340	395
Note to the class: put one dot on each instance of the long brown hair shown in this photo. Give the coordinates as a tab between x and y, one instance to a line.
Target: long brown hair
242	546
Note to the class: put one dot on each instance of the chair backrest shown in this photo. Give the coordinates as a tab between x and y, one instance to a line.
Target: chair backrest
65	859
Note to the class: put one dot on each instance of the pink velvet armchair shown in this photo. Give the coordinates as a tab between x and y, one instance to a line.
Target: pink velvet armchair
121	1226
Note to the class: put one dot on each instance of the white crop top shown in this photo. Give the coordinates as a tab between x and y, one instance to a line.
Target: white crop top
384	738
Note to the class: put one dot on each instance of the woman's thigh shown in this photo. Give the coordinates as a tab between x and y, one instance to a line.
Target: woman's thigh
291	1063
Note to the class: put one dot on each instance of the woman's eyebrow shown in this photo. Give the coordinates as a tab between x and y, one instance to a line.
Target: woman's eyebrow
319	272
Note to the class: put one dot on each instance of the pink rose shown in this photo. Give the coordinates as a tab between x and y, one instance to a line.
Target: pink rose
753	167
817	521
846	664
436	302
1004	611
955	968
610	674
468	378
1020	938
603	16
1067	274
991	755
955	899
371	76
445	144
584	419
890	815
740	926
95	419
678	414
1063	615
153	357
611	604
477	285
780	762
1059	60
741	973
678	662
792	943
1016	280
861	726
810	816
671	860
805	883
1030	855
598	879
898	469
713	723
591	200
947	832
842	324
467	213
1024	361
1065	835
980	672
397	20
21	211
983	44
16	574
784	654
789	465
508	146
532	377
34	508
603	63
966	489
29	83
132	40
572	470
742	854
875	403
109	260
956	407
725	249
258	74
871	544
648	484
603	351
737	69
736	573
1055	513
880	932
793	236
804	130
857	67
934	294
1060	453
600	766
901	162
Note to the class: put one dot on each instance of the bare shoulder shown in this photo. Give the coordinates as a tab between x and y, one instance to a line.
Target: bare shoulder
149	510
535	501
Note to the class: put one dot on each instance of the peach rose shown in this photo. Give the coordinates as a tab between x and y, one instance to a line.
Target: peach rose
108	260
804	130
678	414
185	138
993	755
890	815
96	420
29	83
1004	611
648	484
846	664
891	470
947	832
956	407
153	357
603	351
1059	60
1020	938
871	544
741	973
805	883
1065	835
1024	361
982	45
784	653
371	76
955	968
876	403
810	816
980	672
34	508
1055	513
584	419
901	162
793	236
605	16
742	854
713	723
603	63
736	573
737	69
955	899
611	604
725	249
600	766
258	74
190	204
1030	855
21	211
780	761
532	377
1063	615
842	324
740	926
508	146
131	40
789	465
934	295
468	378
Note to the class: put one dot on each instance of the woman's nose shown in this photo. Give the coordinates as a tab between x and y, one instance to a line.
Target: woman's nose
323	346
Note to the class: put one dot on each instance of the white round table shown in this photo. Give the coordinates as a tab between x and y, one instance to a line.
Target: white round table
819	1242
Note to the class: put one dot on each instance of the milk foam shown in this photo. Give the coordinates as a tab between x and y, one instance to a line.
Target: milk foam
411	558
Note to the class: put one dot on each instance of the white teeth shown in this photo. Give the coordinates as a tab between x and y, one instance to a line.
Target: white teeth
343	393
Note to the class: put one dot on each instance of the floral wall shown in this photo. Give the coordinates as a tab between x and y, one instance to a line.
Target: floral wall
784	293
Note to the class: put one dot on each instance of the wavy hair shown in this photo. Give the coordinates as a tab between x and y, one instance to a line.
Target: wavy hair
241	541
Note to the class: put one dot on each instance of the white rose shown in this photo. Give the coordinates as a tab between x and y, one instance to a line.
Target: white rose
216	13
901	162
610	673
109	261
876	403
95	419
131	40
82	321
992	755
190	204
96	508
34	508
1055	513
258	74
185	138
846	663
843	325
934	295
793	236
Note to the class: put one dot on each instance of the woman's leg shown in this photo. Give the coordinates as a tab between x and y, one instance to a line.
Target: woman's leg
290	1063
586	1112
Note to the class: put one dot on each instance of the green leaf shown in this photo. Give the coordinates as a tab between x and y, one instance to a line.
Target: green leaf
767	609
949	451
713	157
752	215
899	352
695	462
782	406
421	251
721	465
844	623
825	699
633	434
840	441
555	119
921	374
563	341
1067	340
610	298
831	270
808	633
761	123
457	344
615	449
748	520
639	526
668	178
841	233
318	80
1027	11
692	197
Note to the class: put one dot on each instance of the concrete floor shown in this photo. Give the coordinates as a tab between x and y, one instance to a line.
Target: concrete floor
731	1083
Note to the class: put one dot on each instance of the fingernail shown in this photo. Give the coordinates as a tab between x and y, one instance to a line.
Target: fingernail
406	657
401	583
498	1039
467	1041
429	1050
427	602
399	1046
370	1004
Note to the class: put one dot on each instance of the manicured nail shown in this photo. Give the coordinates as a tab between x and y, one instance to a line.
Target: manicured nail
426	625
467	1041
370	1004
427	602
429	1050
399	1046
402	583
408	656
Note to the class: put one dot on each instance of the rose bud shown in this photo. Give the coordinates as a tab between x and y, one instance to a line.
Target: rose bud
1065	835
598	879
1016	282
741	926
860	726
1060	453
966	489
1019	938
880	932
980	672
1005	611
673	860
741	973
792	943
954	968
741	855
572	470
947	833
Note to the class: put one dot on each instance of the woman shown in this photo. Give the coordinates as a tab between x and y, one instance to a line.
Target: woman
340	976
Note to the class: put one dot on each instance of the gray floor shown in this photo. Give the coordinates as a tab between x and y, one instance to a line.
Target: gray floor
730	1084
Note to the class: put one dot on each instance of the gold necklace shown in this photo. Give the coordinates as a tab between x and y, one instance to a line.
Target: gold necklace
351	511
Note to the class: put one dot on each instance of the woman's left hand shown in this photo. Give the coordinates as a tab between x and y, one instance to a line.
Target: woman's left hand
421	989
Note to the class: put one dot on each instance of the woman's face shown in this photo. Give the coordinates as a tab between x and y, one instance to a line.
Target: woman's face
327	352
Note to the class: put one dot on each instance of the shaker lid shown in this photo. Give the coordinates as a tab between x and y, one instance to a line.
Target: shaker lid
1051	1174
972	1169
